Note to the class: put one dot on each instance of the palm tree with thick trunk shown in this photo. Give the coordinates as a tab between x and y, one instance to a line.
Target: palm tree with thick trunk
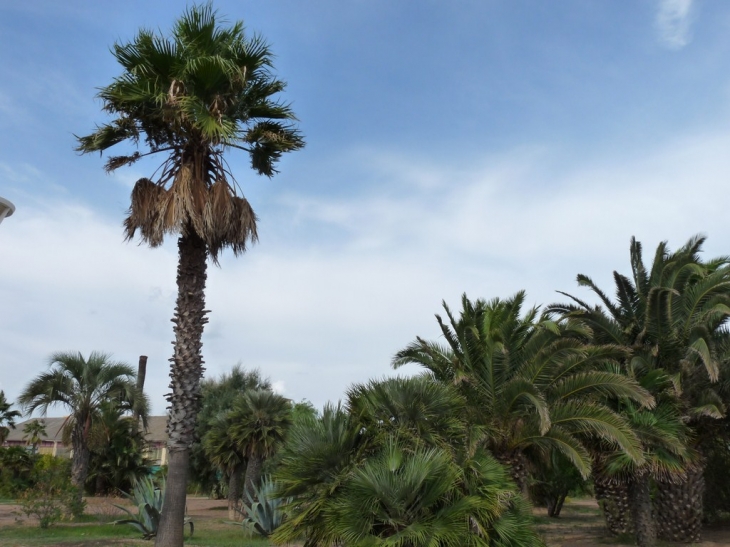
82	386
191	96
7	417
669	318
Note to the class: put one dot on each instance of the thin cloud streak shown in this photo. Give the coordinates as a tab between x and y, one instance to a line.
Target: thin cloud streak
674	23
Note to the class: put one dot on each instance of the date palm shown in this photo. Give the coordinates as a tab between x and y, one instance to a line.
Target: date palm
669	317
7	417
193	95
82	386
532	383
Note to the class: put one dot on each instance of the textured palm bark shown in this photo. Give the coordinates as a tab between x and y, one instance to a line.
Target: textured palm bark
186	370
253	476
235	491
679	507
517	465
641	510
612	495
79	461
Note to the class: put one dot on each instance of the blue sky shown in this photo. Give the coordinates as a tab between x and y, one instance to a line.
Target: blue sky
463	146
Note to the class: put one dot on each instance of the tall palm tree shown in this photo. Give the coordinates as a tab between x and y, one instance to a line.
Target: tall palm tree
669	318
191	96
259	420
7	417
34	432
82	386
530	382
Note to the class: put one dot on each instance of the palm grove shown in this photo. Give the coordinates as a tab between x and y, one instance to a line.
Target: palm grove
514	403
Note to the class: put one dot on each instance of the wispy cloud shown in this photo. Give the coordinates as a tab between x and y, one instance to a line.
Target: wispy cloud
674	23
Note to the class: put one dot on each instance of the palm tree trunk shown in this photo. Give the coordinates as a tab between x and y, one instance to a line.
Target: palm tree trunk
79	461
235	493
185	371
253	476
517	465
641	510
612	495
680	507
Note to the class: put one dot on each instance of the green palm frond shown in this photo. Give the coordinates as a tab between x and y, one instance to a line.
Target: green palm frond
193	95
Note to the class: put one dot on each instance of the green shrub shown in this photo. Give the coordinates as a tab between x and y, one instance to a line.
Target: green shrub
16	471
52	496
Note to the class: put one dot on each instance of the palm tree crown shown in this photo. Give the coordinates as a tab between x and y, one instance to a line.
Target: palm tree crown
191	96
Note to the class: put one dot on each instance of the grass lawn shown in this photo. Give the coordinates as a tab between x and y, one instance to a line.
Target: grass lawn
207	533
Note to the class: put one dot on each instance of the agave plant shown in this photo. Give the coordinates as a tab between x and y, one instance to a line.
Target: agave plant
263	511
148	498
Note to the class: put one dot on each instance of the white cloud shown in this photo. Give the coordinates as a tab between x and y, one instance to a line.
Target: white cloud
316	317
673	23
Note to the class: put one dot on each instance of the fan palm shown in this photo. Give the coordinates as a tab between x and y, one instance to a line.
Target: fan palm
414	408
419	497
359	480
7	417
259	420
223	452
530	382
668	318
82	386
192	96
208	467
316	460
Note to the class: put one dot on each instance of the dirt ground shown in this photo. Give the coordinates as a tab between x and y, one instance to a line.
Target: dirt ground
580	523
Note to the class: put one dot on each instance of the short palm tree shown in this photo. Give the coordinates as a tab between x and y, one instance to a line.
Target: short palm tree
316	460
34	432
365	477
217	399
420	496
530	382
81	386
7	417
224	453
415	408
259	421
191	96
